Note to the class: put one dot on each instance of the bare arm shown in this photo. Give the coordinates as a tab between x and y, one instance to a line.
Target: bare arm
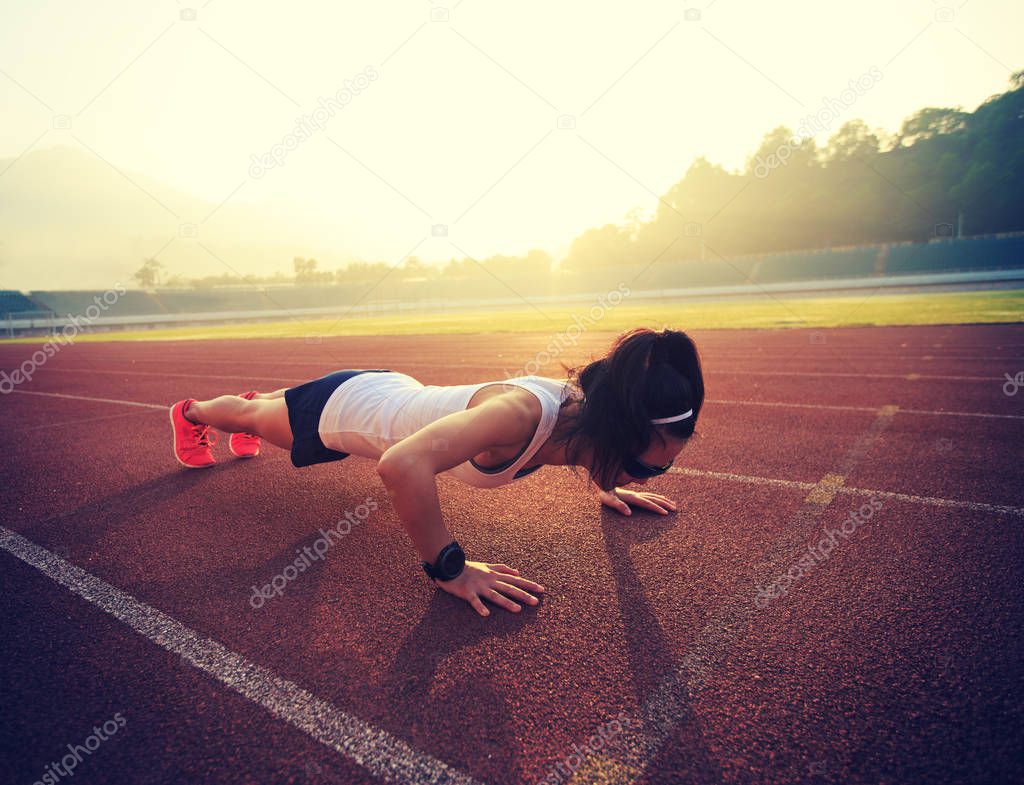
409	471
412	486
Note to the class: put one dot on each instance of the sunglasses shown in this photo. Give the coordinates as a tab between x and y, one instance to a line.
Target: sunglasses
639	470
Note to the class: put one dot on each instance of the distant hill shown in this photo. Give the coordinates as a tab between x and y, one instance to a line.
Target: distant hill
70	220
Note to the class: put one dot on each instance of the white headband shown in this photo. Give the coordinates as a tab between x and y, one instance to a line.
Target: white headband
676	418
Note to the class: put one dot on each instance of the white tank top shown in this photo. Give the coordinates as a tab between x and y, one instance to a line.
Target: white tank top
372	411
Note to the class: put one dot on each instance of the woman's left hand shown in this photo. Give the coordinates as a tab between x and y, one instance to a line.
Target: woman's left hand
620	500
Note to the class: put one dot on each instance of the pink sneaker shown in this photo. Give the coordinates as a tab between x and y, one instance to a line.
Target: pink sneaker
245	445
192	442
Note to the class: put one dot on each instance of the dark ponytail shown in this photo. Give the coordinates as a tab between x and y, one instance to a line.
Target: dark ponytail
645	375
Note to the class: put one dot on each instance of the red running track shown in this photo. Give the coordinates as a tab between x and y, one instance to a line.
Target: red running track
895	659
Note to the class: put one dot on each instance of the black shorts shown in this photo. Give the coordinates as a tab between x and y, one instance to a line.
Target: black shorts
305	404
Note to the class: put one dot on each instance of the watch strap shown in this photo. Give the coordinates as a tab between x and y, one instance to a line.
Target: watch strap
437	571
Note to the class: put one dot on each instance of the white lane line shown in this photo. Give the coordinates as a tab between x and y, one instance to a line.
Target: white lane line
89	398
709	371
716	402
673	701
752	479
720	355
933	501
907	376
965	414
68	423
175	375
1003	509
870	409
374	749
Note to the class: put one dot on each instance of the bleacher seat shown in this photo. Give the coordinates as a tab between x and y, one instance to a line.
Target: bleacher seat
13	301
817	265
131	303
948	256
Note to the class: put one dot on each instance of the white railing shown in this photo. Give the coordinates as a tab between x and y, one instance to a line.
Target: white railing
47	321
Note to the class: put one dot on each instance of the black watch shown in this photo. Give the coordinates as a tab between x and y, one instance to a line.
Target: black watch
449	563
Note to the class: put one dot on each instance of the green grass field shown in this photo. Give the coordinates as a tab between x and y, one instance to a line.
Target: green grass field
764	312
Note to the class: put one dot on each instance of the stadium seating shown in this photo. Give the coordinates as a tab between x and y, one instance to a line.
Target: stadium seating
14	301
130	303
985	253
817	265
212	300
664	275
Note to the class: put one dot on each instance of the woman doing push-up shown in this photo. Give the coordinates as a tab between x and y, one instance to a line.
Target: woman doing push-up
624	418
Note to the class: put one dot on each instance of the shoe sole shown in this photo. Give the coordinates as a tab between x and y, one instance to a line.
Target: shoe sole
174	445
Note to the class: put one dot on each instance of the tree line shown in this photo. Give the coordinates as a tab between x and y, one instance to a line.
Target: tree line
945	167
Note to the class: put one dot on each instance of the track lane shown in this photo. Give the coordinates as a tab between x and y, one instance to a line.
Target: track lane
526	688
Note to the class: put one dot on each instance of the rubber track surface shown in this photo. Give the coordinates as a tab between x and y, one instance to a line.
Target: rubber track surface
898	658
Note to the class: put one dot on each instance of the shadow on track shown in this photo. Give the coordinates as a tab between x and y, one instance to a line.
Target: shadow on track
87	525
650	653
469	710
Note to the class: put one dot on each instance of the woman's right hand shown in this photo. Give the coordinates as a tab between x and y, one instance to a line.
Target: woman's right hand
497	583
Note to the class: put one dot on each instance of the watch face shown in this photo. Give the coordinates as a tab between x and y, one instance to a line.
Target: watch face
453	560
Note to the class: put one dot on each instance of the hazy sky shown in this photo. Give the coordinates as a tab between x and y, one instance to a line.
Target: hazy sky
460	125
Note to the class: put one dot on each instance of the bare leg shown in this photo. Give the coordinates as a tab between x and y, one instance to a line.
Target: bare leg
270	396
266	415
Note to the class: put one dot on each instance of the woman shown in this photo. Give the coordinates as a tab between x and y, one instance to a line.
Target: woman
624	417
